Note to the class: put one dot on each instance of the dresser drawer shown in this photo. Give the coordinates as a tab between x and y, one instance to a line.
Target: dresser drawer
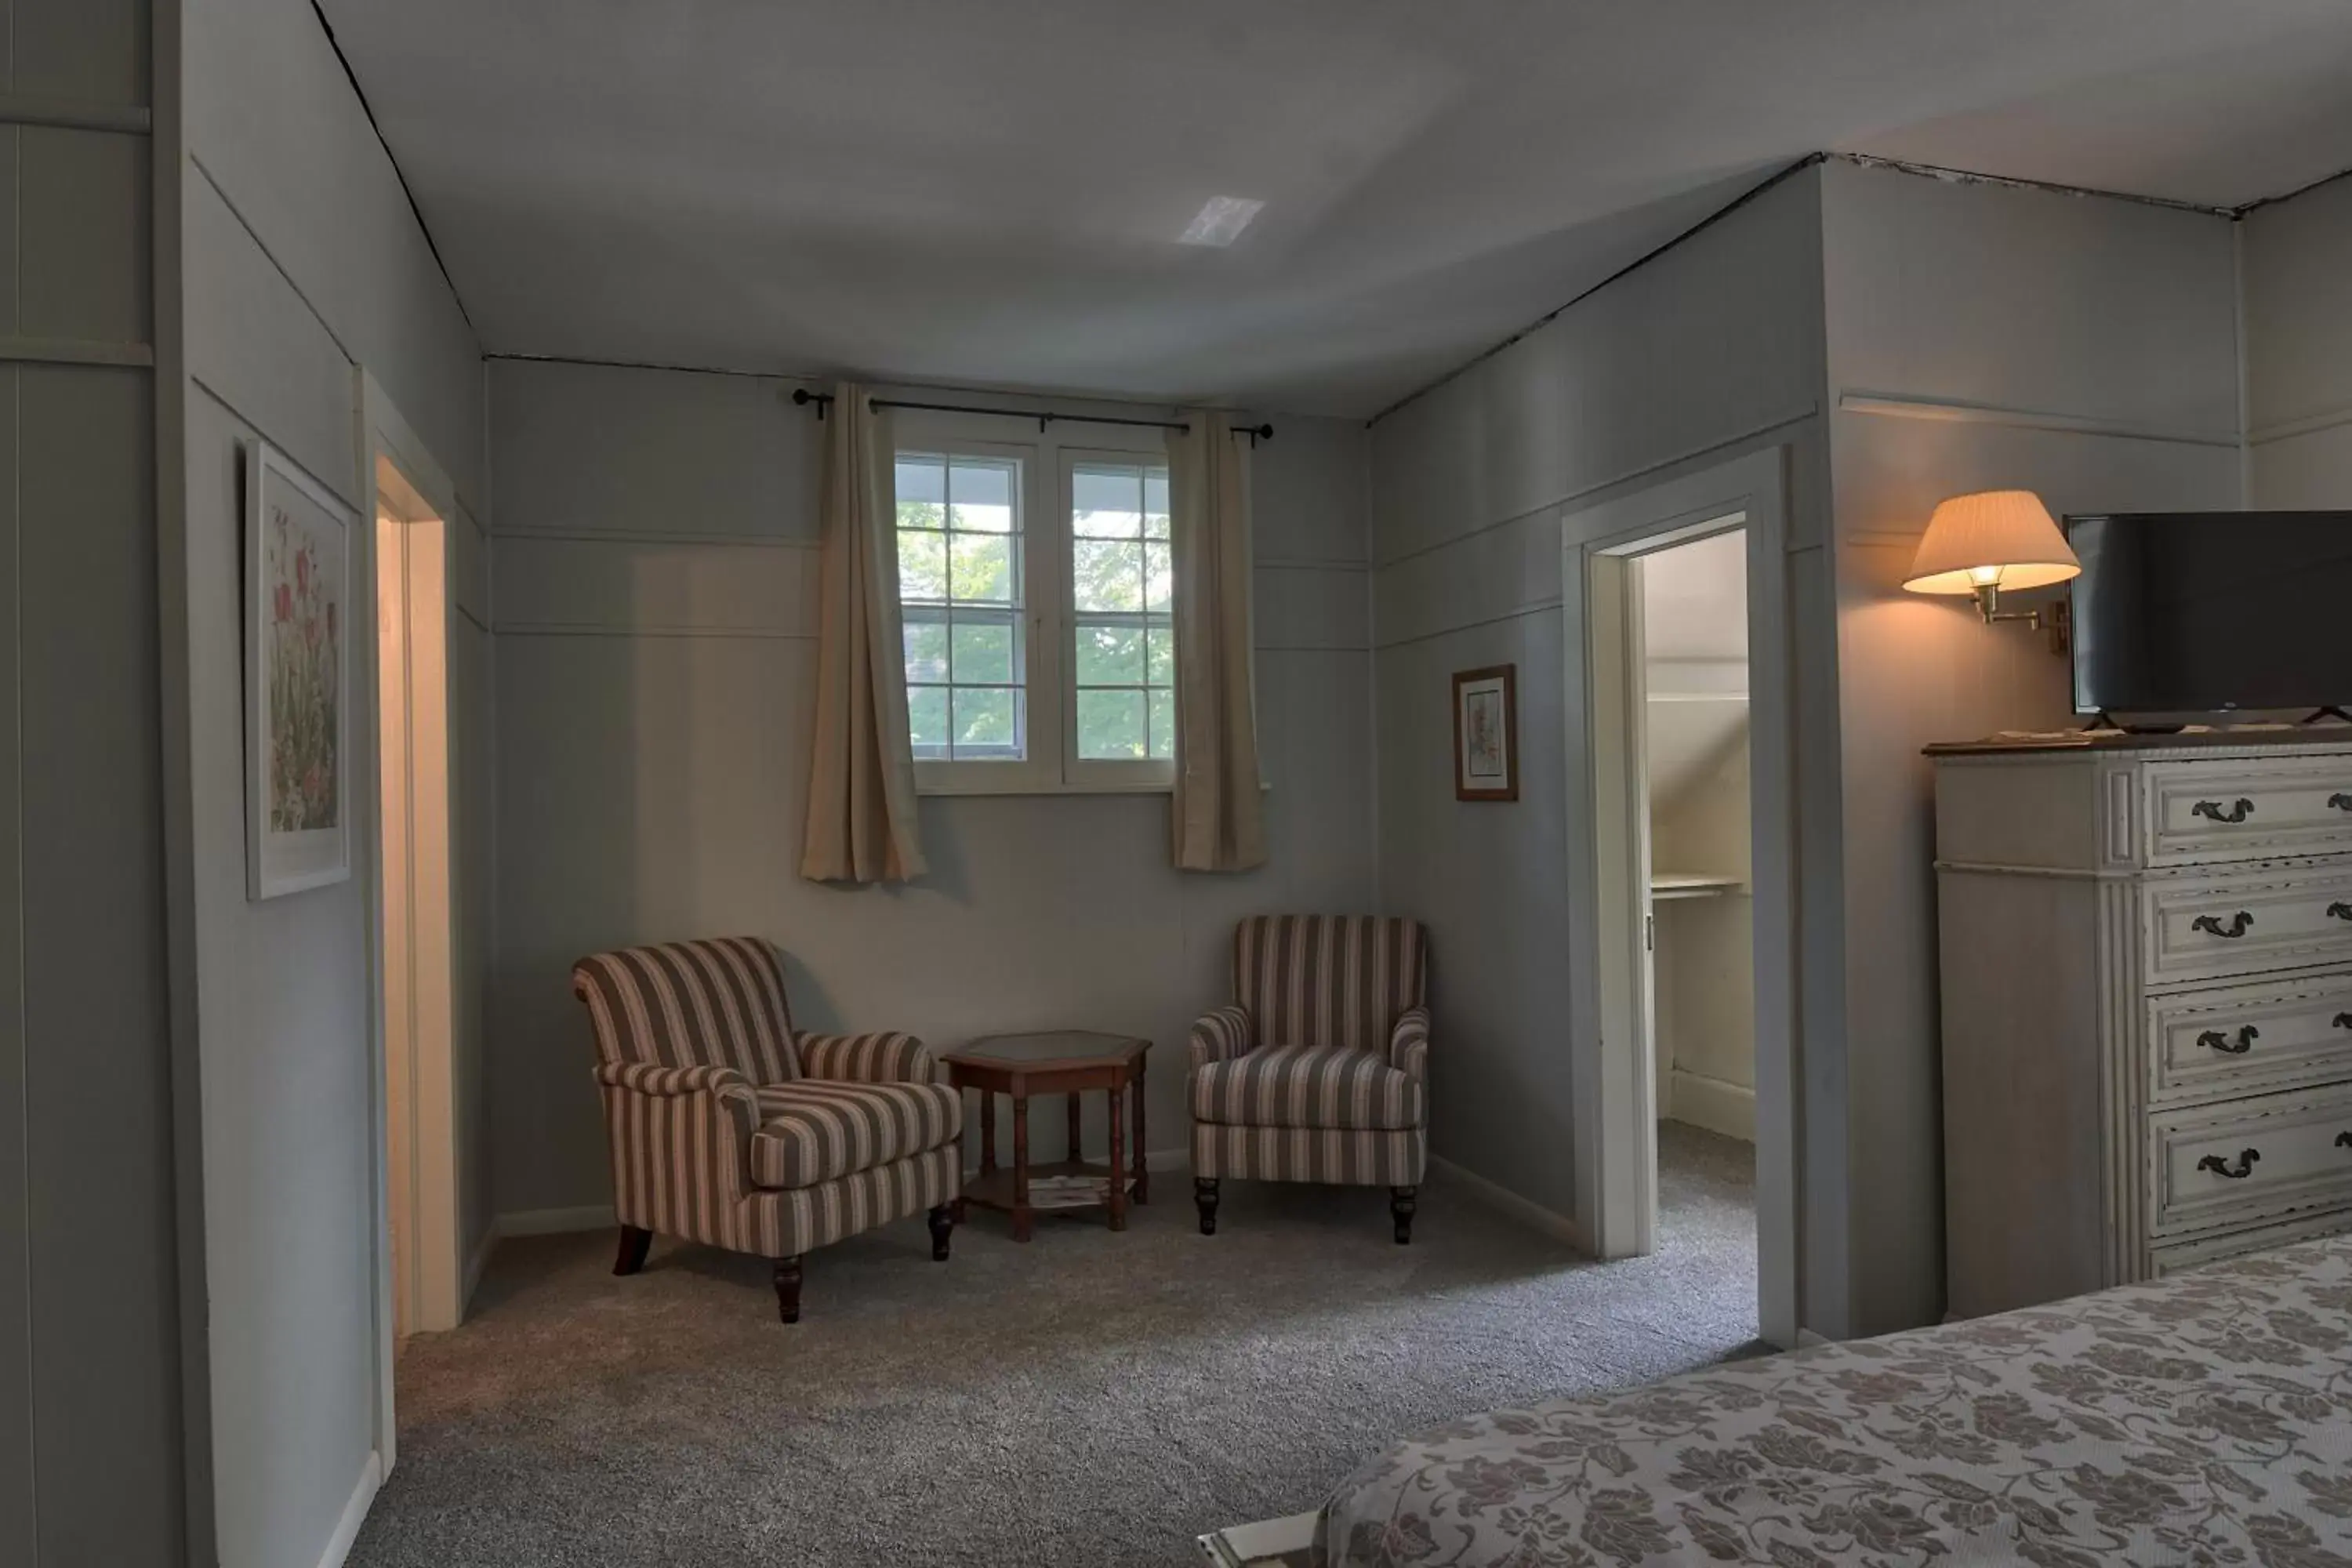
2249	1160
2241	810
2218	927
2219	1246
2239	1039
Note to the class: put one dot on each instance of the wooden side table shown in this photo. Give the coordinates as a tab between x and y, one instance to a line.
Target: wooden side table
1067	1062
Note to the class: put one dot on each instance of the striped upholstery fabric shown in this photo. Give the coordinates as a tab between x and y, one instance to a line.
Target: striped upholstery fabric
1306	1085
719	1001
1328	980
779	1224
814	1131
728	1128
865	1059
1363	1158
1320	1071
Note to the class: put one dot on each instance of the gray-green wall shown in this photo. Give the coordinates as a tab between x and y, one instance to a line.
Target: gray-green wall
91	1450
654	564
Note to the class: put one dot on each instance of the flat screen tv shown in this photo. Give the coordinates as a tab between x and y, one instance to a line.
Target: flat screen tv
2205	612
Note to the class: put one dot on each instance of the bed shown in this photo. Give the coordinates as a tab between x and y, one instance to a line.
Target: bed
2205	1419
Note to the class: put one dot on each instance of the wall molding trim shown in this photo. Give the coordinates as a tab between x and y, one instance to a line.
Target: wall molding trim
1897	405
68	114
76	351
633	536
591	629
355	1512
1533	1215
1541	607
2310	424
1795	414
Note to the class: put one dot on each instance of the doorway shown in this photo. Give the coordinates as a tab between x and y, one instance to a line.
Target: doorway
1682	835
414	930
1687	662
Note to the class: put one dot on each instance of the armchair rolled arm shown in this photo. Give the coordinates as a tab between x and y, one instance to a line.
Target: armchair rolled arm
866	1058
1224	1034
728	1108
1409	1044
650	1077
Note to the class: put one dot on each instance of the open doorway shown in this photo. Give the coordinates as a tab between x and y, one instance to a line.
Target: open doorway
1683	848
415	929
1692	602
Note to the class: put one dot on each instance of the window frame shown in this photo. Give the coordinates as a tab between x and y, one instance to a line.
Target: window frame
1047	460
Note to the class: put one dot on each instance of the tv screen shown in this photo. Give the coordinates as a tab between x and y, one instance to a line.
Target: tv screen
2203	612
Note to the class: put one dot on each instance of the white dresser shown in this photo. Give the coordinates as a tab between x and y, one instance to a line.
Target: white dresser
2147	960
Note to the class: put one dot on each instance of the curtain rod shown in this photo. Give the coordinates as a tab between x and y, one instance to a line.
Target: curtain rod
824	400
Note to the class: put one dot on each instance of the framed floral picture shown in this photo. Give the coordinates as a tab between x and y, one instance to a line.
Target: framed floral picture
1486	733
297	624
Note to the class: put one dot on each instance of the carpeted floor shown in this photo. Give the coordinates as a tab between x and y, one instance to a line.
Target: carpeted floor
1087	1401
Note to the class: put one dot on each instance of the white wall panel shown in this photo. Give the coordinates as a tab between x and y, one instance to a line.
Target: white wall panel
601	449
622	585
2298	291
1710	351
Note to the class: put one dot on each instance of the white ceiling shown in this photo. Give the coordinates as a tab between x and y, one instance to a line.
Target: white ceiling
990	193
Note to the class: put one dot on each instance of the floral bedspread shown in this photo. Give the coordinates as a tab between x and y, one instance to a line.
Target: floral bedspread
2205	1419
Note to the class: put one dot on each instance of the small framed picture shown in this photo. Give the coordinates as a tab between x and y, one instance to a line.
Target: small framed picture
297	621
1486	733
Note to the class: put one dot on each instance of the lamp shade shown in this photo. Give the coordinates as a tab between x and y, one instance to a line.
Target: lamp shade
1997	539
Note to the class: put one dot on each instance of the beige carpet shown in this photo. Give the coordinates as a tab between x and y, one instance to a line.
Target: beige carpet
1088	1400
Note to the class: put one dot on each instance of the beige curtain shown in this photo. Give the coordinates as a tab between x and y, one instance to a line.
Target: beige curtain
861	796
1219	814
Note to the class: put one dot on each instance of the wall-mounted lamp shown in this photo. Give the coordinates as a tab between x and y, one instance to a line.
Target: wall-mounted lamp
1992	540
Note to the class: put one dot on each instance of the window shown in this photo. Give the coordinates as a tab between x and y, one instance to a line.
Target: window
959	602
1039	656
1122	586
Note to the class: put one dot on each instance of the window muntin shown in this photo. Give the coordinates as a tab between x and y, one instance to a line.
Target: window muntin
1123	634
962	573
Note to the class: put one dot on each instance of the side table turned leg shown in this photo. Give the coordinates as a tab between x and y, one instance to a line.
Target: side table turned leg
1143	1175
1204	1193
1023	1216
1118	1164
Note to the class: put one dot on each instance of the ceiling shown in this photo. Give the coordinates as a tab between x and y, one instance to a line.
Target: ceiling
990	194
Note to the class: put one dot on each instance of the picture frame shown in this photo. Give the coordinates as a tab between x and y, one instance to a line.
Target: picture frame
299	541
1486	733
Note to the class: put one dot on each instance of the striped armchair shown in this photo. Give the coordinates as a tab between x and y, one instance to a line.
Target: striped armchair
1318	1072
730	1128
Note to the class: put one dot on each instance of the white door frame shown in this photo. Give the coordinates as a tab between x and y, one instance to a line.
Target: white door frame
1615	1120
433	1270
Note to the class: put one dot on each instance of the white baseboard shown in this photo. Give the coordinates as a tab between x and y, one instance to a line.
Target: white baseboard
355	1512
1528	1213
476	1264
553	1222
1712	1103
1807	1340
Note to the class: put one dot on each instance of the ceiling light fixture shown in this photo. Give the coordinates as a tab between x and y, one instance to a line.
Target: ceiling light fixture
1221	222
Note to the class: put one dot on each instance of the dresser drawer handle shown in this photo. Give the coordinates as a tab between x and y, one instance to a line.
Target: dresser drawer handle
2214	1039
2220	1167
2339	910
2344	1020
2340	801
2343	1140
2211	924
2236	812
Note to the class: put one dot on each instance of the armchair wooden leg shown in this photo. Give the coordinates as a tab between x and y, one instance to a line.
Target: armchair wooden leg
788	1288
634	1245
1402	1200
943	1221
1204	1193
